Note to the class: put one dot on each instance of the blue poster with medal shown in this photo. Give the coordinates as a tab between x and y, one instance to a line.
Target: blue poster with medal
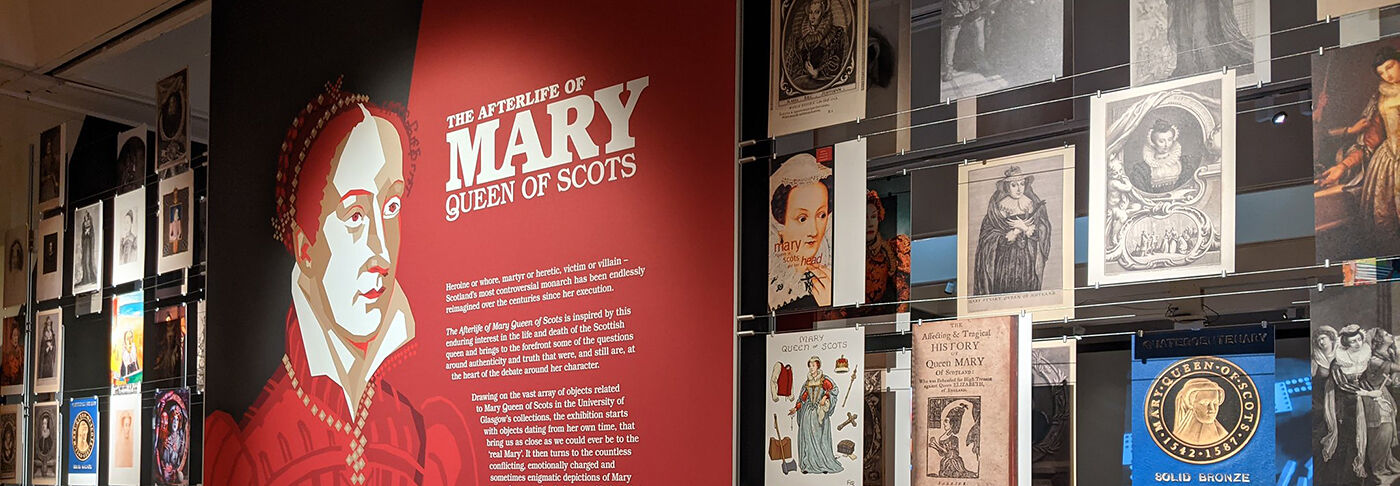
1203	407
82	436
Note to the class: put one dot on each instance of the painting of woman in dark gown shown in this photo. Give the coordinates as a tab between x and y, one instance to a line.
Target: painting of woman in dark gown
1014	242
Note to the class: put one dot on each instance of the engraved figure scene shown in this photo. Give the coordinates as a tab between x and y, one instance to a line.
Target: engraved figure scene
1355	364
1164	180
818	46
953	438
1181	38
988	45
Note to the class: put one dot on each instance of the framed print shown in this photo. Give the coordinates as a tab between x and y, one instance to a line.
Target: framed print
124	440
87	249
990	45
176	214
82	441
11	445
165	349
12	357
45	441
817	432
50	241
170	461
128	342
16	266
817	64
1338	8
53	164
200	309
1167	43
1017	216
972	384
132	157
1054	377
1162	181
172	122
48	350
816	251
129	236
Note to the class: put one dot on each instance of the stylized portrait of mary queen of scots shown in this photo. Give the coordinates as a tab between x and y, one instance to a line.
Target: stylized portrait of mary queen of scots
331	413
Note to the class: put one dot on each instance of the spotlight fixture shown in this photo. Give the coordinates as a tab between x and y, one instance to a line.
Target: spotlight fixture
1280	117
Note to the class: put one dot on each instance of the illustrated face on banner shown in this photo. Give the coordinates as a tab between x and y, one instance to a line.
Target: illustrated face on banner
805	219
351	256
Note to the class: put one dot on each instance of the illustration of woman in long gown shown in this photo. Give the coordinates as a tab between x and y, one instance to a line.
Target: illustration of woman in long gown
1359	409
814	408
1014	242
1374	154
950	462
1206	36
87	273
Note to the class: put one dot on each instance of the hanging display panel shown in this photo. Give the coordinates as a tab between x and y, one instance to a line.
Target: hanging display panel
1016	235
1177	39
816	220
11	447
1162	181
124	440
87	249
172	122
128	341
1054	402
176	213
170	461
129	236
48	351
1203	406
12	357
972	387
887	251
165	349
49	237
131	157
52	152
874	461
990	45
817	64
16	266
45	442
82	441
1354	356
817	431
1356	163
427	215
1338	8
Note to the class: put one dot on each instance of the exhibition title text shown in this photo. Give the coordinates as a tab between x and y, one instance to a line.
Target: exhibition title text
481	177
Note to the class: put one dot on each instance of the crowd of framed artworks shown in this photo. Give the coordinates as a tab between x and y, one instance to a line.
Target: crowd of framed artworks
1161	206
91	267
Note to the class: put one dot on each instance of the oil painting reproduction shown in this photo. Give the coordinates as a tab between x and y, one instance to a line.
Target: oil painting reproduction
817	66
1017	214
1180	38
1356	151
174	231
1162	181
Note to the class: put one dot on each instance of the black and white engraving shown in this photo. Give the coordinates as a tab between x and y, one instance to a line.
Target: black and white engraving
50	238
1181	38
129	236
10	451
16	266
954	442
1354	360
172	122
1053	377
990	45
87	248
45	439
1016	213
1162	186
818	64
53	162
48	351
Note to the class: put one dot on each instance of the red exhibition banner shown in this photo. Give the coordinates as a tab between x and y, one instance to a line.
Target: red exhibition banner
523	276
